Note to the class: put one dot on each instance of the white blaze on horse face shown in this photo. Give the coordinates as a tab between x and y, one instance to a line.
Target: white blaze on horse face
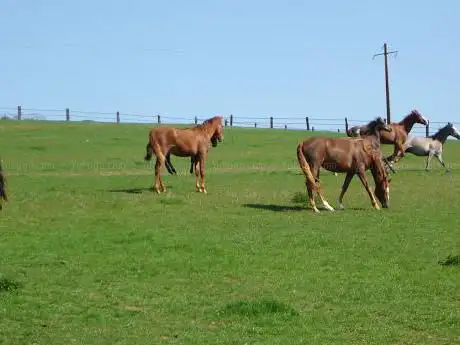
455	132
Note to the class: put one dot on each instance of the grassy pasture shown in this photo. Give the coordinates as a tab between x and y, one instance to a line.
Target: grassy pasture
89	255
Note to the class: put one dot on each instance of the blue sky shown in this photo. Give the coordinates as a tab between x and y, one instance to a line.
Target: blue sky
253	58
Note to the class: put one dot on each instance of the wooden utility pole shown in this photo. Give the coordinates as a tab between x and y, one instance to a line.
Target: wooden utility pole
387	86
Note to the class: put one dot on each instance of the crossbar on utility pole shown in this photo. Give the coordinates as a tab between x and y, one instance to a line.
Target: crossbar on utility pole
387	86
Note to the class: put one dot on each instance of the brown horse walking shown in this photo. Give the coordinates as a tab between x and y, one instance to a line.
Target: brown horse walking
398	136
350	156
184	142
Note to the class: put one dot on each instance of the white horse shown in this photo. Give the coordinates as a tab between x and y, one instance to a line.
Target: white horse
431	146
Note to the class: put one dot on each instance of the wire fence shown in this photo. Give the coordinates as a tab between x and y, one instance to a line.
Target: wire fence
287	123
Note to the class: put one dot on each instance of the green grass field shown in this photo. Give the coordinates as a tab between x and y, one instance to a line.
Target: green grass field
89	255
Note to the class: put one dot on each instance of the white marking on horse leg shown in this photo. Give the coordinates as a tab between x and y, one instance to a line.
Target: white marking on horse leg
325	203
327	206
340	205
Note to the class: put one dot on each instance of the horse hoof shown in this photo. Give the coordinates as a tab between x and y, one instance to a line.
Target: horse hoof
315	210
205	191
340	207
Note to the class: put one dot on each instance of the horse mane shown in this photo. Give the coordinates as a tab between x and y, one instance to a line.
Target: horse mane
371	127
412	113
207	124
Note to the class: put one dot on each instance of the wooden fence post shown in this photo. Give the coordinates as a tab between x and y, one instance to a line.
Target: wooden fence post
226	122
346	125
158	118
118	117
19	112
196	120
231	120
255	124
271	121
307	120
285	127
427	129
67	114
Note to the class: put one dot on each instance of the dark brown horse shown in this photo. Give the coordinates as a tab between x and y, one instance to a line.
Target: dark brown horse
397	137
3	195
345	155
184	142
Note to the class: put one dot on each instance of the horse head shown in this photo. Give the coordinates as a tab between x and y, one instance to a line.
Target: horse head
416	117
217	130
382	182
453	131
377	125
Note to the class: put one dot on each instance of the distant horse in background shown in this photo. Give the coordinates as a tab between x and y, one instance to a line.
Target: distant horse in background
397	136
431	146
349	156
3	195
184	142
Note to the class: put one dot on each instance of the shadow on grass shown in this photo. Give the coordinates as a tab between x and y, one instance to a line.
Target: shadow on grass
257	307
275	208
8	285
451	260
132	190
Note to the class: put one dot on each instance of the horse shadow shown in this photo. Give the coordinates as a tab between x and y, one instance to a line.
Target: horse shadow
285	208
131	190
274	207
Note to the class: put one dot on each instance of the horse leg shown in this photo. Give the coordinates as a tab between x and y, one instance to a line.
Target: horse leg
362	177
428	160
345	185
310	188
202	166
158	185
321	197
169	165
192	162
439	157
197	174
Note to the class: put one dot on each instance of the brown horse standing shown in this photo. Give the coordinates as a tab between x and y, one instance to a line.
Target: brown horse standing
352	156
184	142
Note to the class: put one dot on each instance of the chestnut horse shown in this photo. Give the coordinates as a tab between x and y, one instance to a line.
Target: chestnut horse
184	142
350	156
171	168
398	136
3	195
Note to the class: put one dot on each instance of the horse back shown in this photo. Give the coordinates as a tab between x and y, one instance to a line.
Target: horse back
344	150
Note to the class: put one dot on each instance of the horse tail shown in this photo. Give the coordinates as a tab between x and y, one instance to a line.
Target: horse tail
149	152
304	166
2	185
149	148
